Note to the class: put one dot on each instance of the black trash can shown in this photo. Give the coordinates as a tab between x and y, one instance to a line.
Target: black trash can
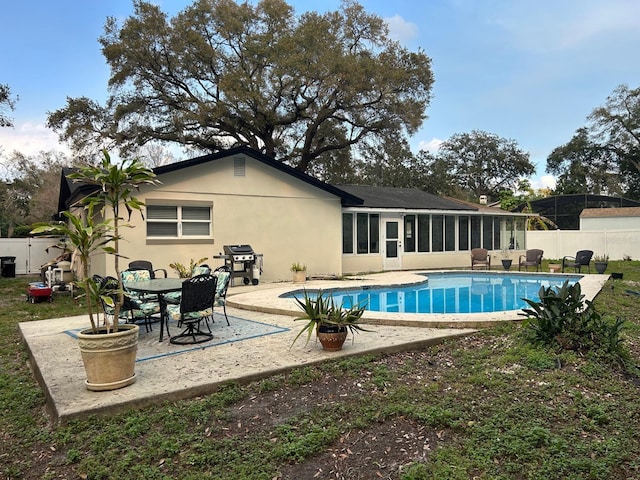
8	266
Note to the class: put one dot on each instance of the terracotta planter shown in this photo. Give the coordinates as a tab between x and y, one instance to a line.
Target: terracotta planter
299	276
332	338
109	358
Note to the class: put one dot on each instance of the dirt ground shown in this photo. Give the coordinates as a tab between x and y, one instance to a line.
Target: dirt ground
380	451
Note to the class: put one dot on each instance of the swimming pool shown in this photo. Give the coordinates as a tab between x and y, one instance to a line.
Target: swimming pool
450	292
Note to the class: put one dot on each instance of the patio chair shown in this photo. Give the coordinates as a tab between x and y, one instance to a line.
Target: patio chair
146	265
582	259
174	297
223	274
132	310
531	258
137	275
480	257
203	269
196	304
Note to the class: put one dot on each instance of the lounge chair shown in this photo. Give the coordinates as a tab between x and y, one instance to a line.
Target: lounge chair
531	258
480	257
582	259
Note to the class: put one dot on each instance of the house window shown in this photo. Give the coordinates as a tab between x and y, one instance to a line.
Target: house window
476	223
463	233
487	233
178	221
374	233
437	231
347	233
409	233
496	234
367	233
423	233
360	233
449	233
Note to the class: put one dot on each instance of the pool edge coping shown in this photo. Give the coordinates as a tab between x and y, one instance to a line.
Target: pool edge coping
269	300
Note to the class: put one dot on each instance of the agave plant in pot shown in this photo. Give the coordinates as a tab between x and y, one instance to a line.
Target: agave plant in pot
109	350
330	322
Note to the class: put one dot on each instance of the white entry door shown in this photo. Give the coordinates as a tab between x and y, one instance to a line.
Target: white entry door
392	242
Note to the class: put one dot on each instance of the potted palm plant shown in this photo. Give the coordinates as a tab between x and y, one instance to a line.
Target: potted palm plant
186	271
109	350
330	322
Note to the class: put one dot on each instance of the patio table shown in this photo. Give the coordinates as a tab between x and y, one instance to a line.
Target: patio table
158	286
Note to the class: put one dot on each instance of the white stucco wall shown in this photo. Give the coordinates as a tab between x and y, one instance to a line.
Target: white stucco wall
281	217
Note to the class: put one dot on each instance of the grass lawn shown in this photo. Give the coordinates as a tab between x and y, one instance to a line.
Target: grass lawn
487	406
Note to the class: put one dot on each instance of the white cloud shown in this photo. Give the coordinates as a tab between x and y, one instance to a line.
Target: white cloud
546	181
29	138
432	145
401	30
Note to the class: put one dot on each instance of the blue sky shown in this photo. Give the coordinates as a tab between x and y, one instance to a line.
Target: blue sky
530	71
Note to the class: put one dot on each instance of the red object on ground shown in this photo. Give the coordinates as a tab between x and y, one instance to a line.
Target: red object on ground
38	291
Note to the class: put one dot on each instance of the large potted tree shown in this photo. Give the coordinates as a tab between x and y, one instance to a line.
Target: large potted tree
109	350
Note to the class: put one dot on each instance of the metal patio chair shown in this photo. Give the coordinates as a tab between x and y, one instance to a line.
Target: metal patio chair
196	304
147	265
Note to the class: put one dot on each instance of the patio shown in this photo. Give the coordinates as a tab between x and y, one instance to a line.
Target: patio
256	345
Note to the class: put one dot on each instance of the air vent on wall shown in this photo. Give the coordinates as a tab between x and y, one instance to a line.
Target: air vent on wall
238	167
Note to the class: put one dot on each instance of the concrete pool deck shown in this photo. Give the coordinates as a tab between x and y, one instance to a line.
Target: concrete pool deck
255	346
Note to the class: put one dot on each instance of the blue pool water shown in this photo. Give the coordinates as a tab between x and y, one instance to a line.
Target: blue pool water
450	292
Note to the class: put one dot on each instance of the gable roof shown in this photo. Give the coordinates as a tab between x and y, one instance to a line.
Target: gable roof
402	198
345	196
71	191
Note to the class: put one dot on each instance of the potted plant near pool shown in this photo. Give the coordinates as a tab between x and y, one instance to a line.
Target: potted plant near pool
506	259
299	271
108	351
601	262
330	322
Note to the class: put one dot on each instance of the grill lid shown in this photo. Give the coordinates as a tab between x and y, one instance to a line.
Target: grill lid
238	250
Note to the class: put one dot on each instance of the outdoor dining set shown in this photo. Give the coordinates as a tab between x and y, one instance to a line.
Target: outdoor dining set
151	296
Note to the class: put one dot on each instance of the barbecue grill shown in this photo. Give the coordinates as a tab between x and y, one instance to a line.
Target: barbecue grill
243	262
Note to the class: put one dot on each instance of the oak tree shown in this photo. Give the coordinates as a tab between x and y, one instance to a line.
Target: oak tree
219	74
603	157
482	163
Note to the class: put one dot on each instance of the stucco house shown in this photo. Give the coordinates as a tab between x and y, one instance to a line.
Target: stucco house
243	197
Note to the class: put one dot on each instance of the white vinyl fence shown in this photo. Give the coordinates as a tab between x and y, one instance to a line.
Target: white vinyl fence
30	253
558	243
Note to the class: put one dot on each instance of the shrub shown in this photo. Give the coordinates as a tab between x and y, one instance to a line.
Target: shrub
564	320
186	271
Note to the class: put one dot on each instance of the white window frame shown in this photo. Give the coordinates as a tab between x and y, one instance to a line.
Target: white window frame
179	220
